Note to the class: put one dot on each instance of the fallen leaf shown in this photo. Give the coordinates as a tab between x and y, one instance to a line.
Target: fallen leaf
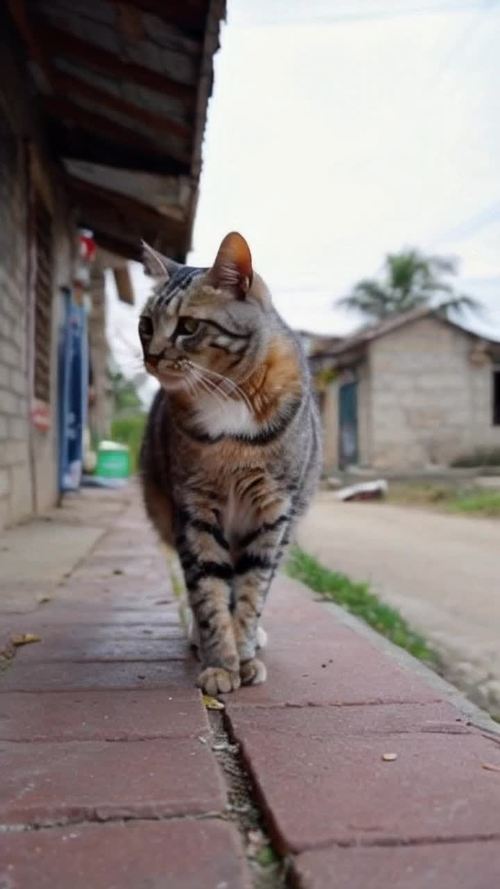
44	599
212	703
490	767
25	639
389	757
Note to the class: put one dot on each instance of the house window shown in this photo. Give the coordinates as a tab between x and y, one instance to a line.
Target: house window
496	397
43	300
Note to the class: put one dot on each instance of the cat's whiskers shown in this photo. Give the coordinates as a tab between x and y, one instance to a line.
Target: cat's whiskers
214	390
234	387
191	385
210	388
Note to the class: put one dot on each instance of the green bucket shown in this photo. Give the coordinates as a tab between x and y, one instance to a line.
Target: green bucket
113	460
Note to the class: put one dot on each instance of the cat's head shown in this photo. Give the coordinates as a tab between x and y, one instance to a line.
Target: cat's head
203	322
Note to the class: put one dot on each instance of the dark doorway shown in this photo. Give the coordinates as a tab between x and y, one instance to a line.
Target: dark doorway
496	397
348	424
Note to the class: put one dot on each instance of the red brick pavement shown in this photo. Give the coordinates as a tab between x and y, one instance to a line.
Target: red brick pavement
109	778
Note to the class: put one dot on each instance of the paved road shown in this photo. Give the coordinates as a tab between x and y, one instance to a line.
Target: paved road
441	571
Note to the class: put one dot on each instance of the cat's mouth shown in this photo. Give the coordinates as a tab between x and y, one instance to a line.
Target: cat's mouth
167	372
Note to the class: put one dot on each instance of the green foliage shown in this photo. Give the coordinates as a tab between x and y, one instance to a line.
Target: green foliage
486	503
410	279
267	857
324	377
359	600
470	500
125	397
129	431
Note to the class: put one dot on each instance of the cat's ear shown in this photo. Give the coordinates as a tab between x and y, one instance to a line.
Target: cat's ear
156	265
232	269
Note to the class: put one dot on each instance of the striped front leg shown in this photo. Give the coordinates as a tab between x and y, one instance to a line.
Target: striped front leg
204	555
259	555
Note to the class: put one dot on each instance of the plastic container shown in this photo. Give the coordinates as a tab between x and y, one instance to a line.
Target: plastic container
113	460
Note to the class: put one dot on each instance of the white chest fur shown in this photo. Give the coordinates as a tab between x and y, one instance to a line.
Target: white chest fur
224	417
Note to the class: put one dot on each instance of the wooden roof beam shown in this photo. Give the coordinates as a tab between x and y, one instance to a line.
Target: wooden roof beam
189	15
66	110
67	84
24	24
144	214
74	142
61	43
132	250
117	245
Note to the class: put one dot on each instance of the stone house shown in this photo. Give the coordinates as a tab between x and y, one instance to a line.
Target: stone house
102	113
413	392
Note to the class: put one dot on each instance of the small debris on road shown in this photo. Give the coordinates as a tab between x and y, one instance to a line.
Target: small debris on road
212	703
25	639
256	842
389	757
490	767
364	491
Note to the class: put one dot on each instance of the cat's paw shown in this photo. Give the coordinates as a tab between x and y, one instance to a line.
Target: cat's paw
217	680
253	672
261	637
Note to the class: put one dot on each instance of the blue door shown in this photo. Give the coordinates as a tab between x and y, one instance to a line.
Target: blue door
73	393
348	424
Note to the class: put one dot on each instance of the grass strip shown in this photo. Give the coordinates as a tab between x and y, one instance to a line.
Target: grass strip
470	501
358	599
485	503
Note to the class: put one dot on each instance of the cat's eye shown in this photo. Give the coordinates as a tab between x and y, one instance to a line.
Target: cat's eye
187	327
145	326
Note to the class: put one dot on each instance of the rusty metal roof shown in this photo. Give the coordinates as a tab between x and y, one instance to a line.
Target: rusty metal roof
123	89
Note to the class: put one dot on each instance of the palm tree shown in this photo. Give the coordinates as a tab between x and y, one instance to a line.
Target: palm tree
410	279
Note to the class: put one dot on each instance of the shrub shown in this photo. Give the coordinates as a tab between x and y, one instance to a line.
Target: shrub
129	431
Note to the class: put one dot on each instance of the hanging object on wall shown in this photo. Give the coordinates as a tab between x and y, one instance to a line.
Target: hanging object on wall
40	415
81	278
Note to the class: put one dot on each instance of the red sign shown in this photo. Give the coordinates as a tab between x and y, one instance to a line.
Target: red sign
87	247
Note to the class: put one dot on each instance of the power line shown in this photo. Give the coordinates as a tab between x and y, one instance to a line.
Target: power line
470	225
304	16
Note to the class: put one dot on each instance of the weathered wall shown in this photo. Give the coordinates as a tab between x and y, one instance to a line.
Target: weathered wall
330	424
100	408
330	419
428	402
364	414
15	489
28	459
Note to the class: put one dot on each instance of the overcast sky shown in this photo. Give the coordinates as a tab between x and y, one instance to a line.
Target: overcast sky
339	131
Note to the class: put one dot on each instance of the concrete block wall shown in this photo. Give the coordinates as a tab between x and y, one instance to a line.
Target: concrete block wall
429	403
28	459
15	477
484	433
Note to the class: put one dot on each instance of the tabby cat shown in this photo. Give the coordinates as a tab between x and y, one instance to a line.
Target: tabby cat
231	452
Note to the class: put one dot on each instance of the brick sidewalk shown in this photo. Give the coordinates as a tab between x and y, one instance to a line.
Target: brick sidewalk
111	777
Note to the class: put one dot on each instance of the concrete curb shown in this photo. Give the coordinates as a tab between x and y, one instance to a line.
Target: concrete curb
480	718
